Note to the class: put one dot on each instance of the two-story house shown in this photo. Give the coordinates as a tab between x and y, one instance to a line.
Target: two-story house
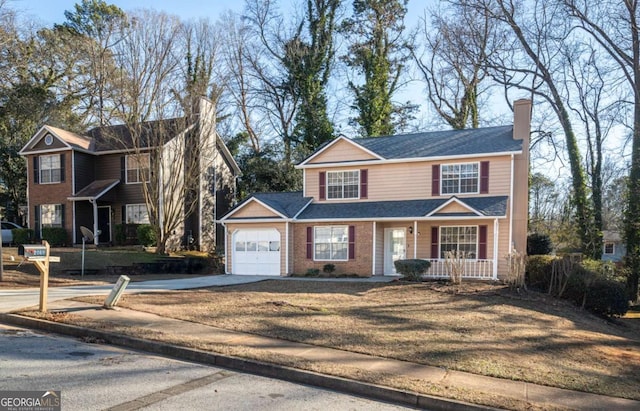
367	202
96	179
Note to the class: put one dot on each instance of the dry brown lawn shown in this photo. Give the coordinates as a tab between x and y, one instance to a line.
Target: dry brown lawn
478	328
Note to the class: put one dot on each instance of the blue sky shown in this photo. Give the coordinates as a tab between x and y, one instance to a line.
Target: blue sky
52	11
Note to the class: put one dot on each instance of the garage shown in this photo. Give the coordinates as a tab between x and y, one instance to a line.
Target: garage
256	252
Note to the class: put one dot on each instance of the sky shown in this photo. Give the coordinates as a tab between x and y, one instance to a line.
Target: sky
52	11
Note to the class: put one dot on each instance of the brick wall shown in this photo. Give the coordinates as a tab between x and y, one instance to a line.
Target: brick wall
361	265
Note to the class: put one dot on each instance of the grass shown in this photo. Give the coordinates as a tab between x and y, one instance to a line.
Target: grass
26	275
478	328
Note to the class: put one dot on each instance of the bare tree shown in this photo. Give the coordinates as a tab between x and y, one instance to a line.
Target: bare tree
614	26
458	43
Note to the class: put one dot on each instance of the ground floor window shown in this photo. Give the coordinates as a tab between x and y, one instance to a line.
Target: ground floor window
51	215
459	238
137	214
609	248
331	243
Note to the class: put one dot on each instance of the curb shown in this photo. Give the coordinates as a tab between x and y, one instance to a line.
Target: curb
343	385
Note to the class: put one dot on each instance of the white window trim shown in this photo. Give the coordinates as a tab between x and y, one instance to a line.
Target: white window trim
326	185
126	216
314	241
604	248
477	163
126	168
50	169
450	226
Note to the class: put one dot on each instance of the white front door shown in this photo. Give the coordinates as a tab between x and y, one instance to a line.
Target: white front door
394	248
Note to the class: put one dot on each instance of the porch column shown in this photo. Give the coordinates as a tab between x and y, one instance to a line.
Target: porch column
286	249
95	221
415	239
495	249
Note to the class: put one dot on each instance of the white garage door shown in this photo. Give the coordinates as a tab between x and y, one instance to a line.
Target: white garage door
256	252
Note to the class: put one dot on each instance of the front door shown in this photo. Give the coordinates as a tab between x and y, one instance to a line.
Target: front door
394	248
104	224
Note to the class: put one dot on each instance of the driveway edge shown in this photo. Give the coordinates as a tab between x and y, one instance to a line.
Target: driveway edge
339	384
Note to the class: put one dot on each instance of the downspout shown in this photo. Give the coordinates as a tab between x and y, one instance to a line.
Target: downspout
73	192
226	249
511	207
373	252
415	239
286	249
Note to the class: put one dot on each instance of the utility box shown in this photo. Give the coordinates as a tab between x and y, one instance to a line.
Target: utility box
33	252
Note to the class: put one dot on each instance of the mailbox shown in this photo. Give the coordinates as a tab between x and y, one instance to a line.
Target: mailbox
33	251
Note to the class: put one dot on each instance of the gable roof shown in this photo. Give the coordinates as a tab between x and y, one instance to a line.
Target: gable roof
287	204
120	137
446	143
69	140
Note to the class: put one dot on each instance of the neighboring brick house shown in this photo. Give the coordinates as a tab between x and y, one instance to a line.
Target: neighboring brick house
95	179
367	202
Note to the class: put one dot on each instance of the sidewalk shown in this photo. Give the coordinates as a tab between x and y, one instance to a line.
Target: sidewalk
541	396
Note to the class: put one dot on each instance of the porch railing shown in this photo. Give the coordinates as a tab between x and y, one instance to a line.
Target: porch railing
473	269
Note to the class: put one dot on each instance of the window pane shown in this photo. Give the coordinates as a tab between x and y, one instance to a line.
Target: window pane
263	246
274	246
462	239
252	246
459	178
240	245
331	243
343	184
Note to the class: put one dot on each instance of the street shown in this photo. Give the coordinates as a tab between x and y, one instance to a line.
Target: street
98	377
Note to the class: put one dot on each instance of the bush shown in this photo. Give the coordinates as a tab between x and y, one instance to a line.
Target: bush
312	272
607	297
329	268
146	235
120	234
56	236
538	272
539	244
412	269
22	235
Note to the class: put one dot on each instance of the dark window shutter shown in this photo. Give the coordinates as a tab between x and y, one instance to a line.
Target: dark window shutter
435	180
482	243
434	242
36	170
36	221
484	177
62	168
323	184
352	242
124	214
122	170
309	243
364	177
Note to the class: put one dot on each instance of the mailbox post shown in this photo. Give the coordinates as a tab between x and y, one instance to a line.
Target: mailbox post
39	255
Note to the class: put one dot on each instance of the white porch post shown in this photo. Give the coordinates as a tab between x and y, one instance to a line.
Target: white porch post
495	249
286	249
415	239
94	202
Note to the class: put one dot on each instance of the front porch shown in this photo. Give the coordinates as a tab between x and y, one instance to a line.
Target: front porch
472	269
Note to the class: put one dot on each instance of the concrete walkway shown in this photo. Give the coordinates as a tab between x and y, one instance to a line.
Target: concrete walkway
536	394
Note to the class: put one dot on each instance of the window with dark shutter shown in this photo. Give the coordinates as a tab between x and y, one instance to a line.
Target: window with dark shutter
484	177
36	170
364	181
36	221
435	180
309	243
482	242
123	166
322	184
434	242
352	242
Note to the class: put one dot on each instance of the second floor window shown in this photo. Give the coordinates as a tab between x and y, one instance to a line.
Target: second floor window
137	168
50	169
459	178
343	184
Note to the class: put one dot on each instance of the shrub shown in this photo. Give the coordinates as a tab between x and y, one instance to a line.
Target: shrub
146	235
312	272
329	268
607	297
539	244
412	269
538	272
56	236
120	234
22	235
